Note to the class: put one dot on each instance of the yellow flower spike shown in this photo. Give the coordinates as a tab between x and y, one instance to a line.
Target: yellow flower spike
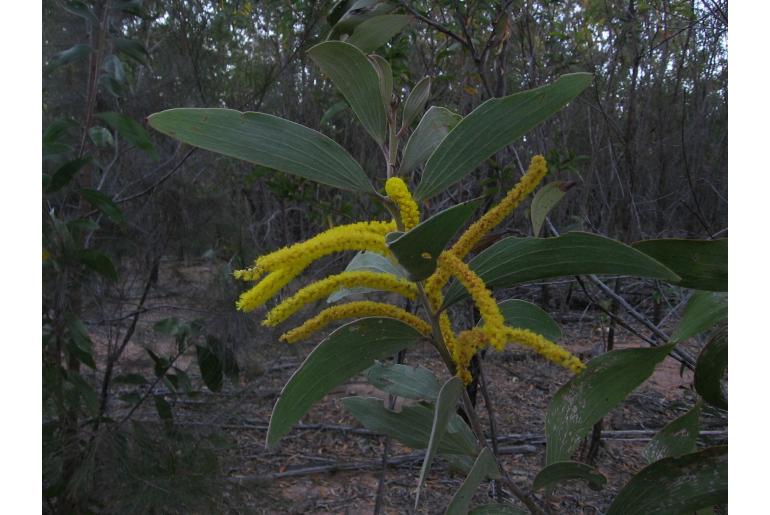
267	288
398	192
468	343
324	287
546	348
494	323
250	274
358	309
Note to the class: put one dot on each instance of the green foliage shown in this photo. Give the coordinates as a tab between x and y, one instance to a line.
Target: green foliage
710	369
485	466
568	470
545	200
434	125
677	438
702	264
404	381
703	311
520	313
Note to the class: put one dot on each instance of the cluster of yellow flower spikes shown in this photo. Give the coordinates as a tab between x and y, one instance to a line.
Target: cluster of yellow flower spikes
287	263
398	192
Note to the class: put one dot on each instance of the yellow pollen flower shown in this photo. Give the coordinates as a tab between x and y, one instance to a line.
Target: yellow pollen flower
494	323
358	309
398	192
468	343
546	348
324	287
267	287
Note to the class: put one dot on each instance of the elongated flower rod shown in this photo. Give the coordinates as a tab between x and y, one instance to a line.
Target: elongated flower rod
494	323
324	287
538	168
399	193
549	350
268	287
364	308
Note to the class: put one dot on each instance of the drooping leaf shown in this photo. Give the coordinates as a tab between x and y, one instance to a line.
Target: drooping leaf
385	74
485	466
131	48
702	264
710	369
355	77
333	111
590	395
103	203
80	8
520	313
677	438
79	334
676	485
352	14
569	470
412	425
265	140
347	351
703	311
415	102
375	32
446	407
98	262
512	261
416	383
65	173
366	262
101	137
496	123
114	68
430	132
418	249
131	130
72	54
544	200
210	366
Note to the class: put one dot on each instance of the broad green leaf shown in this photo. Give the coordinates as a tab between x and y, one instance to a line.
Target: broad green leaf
418	249
131	48
704	310
676	485
430	132
677	438
65	173
347	351
568	470
98	262
366	262
114	68
446	407
493	125
496	509
590	395
545	200
415	102
333	111
210	366
484	466
131	130
101	137
356	13
80	8
355	77
416	383
375	32
520	313
104	204
702	264
72	54
512	261
265	140
337	11
385	75
710	369
412	425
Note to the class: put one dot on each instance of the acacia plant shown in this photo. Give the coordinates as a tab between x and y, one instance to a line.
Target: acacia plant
419	257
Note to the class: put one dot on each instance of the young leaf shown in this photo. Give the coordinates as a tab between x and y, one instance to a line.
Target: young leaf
677	438
418	249
265	140
446	406
710	369
590	395
131	130
512	261
375	32
347	351
676	485
545	200
703	311
430	132
520	313
104	204
496	123
416	383
65	173
385	74
484	466
355	77
415	102
702	264
568	470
